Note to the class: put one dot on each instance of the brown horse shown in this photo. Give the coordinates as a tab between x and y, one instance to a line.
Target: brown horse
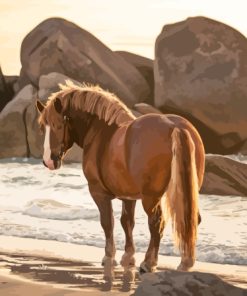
129	158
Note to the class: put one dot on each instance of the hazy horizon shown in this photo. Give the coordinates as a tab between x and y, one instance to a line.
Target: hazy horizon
131	26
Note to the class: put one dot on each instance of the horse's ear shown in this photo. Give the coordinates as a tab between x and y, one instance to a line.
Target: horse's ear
58	105
40	106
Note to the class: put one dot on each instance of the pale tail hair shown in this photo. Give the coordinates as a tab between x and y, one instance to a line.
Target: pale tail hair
182	193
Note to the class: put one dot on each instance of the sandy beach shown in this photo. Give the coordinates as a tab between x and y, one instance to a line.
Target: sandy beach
42	267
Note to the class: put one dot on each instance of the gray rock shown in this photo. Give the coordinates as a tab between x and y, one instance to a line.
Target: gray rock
6	89
49	84
144	108
57	45
175	283
145	67
200	71
224	176
13	125
12	82
34	136
73	155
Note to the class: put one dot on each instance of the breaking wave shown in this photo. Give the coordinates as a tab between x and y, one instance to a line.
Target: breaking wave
51	209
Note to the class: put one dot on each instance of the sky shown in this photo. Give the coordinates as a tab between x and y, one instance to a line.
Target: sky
131	25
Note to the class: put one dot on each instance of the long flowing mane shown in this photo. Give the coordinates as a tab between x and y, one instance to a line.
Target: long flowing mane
94	100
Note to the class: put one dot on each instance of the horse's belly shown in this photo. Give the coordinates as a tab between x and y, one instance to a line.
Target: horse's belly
134	197
120	183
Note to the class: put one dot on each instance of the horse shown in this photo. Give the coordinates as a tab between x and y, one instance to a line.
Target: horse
156	158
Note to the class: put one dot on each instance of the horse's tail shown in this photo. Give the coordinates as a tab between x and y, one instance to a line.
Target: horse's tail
182	193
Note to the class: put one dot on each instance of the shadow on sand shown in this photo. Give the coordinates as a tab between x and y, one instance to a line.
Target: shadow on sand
70	274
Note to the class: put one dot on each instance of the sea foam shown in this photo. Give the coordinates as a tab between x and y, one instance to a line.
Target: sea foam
52	209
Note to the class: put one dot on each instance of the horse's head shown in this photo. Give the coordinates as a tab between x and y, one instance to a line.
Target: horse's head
57	127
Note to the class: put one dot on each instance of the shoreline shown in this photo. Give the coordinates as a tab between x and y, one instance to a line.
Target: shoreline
50	266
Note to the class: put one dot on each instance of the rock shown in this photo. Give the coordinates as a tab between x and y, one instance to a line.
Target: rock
23	79
34	136
57	45
146	109
12	82
200	71
243	149
73	155
6	90
175	283
136	113
145	67
13	126
224	176
49	84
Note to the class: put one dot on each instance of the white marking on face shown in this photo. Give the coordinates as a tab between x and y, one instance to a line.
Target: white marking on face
47	149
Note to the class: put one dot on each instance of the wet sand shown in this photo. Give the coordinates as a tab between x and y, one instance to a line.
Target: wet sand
39	267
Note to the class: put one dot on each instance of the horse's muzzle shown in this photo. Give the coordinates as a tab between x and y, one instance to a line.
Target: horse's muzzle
45	164
53	163
56	161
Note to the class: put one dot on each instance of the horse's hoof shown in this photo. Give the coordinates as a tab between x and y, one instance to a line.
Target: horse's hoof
183	267
107	286
186	265
142	270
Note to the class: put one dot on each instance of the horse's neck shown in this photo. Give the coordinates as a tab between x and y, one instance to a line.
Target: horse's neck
86	127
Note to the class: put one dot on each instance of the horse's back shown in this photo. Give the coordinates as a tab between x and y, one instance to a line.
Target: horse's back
140	154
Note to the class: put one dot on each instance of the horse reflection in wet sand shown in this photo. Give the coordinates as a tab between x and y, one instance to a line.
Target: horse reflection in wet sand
129	158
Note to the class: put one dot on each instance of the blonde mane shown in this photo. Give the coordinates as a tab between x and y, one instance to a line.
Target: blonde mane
94	100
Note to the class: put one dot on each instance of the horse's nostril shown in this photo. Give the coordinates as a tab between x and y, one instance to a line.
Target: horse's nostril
54	157
44	164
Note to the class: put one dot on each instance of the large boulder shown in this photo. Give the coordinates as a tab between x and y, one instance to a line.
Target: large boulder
49	84
12	82
57	45
177	283
35	138
224	176
144	108
145	67
200	72
13	125
74	154
6	89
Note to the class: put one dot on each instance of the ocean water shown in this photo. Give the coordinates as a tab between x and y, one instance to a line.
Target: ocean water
38	203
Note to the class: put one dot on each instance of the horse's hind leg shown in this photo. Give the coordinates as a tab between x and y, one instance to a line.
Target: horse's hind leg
156	223
107	222
128	222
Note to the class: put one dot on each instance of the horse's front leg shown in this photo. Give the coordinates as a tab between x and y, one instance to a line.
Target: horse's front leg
107	222
128	223
156	224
